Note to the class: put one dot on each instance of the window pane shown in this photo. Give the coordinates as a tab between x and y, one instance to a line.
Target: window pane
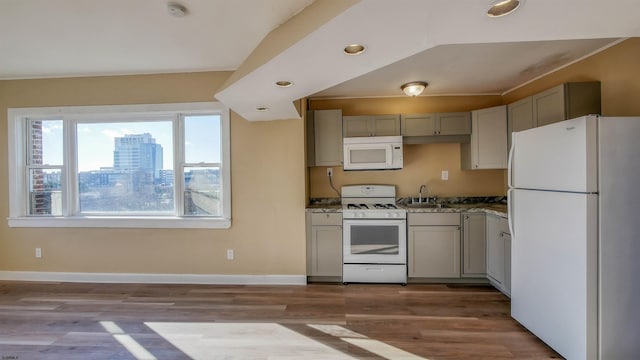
121	167
45	195
202	191
46	142
202	139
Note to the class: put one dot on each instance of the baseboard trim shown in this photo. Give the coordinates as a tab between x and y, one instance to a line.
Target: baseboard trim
153	278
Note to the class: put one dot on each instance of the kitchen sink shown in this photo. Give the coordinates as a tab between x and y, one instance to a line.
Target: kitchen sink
427	206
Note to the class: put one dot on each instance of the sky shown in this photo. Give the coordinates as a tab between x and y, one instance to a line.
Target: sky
96	140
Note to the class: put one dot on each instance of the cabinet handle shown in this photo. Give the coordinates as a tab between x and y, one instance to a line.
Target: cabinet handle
466	217
458	227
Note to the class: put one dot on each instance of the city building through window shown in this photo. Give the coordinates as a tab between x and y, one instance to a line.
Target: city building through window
121	166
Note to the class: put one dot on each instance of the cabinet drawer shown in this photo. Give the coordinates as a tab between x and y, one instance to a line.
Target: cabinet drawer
428	219
326	219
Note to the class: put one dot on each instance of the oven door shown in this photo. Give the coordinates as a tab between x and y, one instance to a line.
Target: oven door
371	241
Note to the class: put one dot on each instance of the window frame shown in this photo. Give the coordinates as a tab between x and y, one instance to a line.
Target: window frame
18	138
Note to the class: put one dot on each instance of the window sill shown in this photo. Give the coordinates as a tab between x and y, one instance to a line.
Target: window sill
121	222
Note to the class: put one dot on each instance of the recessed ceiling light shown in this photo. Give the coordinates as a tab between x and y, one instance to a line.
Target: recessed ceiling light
503	7
262	108
354	49
283	83
176	10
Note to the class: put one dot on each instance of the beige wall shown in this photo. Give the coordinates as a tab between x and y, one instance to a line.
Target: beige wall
422	163
268	192
617	68
268	173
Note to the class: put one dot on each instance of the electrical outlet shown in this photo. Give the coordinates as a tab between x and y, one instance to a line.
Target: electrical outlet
38	252
445	175
230	254
329	172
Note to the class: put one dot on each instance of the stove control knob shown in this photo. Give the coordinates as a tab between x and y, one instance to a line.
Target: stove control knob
395	215
361	215
387	215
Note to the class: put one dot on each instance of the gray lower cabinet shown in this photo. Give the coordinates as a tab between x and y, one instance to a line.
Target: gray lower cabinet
499	253
474	245
324	245
433	245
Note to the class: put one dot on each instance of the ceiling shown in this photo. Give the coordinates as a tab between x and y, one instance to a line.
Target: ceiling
450	44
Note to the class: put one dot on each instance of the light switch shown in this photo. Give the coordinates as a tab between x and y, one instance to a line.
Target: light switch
445	175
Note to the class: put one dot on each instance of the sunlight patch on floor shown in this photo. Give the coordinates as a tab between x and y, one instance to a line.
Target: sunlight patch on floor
127	341
373	346
243	341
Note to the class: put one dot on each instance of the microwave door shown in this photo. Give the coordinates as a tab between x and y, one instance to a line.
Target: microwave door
368	156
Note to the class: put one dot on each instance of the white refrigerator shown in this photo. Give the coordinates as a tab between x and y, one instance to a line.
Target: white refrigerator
574	206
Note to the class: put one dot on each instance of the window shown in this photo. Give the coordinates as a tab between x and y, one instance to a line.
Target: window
120	166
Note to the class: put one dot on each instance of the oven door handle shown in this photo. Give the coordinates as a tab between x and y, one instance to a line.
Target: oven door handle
373	222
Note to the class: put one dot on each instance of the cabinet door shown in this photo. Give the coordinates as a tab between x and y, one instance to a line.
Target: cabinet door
458	123
507	263
495	250
355	126
549	106
385	125
326	251
418	124
328	137
434	251
474	245
520	116
488	147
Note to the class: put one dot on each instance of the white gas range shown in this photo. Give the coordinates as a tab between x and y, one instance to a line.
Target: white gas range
374	235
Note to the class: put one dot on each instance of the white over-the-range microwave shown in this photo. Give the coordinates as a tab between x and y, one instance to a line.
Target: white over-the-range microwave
373	153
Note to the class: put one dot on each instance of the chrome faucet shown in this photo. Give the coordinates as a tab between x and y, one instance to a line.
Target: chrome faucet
422	188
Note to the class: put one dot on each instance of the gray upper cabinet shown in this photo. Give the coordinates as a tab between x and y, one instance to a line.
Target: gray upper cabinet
324	138
418	124
458	123
371	125
520	116
548	106
562	102
566	101
488	146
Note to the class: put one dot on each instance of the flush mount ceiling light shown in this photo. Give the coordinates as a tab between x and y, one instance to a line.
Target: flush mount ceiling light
414	88
176	10
283	83
262	108
354	49
503	7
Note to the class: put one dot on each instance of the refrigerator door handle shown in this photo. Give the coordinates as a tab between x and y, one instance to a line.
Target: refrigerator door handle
509	211
510	162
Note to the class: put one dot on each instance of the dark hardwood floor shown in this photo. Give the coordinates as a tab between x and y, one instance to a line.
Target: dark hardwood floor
97	321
